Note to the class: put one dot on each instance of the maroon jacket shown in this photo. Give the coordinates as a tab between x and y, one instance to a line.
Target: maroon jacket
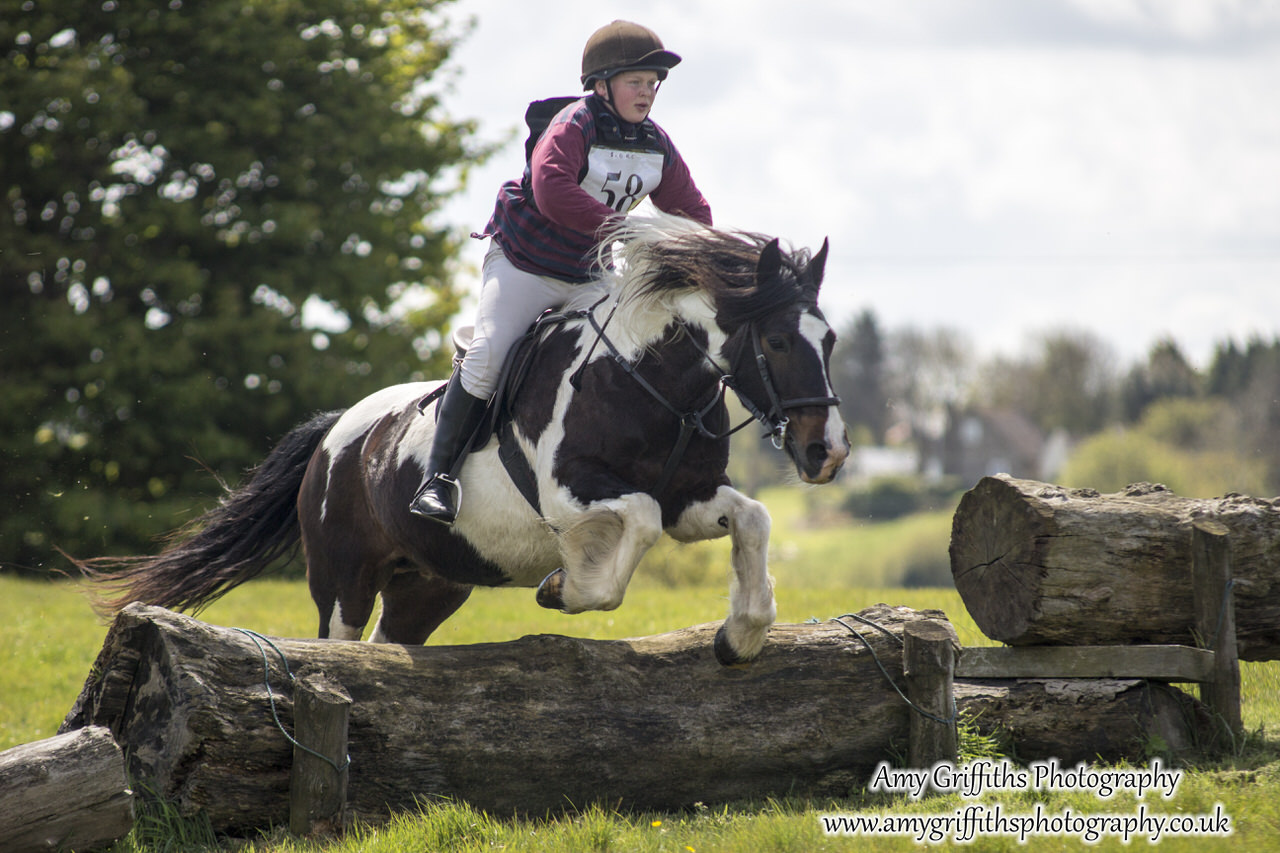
587	168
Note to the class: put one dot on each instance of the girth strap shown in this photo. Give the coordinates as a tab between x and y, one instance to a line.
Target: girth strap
517	465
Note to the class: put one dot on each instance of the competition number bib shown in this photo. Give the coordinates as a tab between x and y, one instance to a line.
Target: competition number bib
620	178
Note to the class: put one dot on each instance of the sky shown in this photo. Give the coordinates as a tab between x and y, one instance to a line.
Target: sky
1003	168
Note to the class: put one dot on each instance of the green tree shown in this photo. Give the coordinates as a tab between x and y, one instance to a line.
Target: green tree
1068	384
1178	443
1166	373
1249	379
181	183
858	373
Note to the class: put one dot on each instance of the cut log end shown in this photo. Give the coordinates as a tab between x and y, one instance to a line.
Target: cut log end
997	556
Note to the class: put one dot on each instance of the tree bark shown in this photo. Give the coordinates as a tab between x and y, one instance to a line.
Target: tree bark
64	792
1041	564
532	726
1097	720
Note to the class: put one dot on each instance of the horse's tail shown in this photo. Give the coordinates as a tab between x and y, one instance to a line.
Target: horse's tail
250	528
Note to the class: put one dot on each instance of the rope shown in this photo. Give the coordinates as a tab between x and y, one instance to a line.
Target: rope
949	721
258	640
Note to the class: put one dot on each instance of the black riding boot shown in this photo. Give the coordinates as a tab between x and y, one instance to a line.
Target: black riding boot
458	416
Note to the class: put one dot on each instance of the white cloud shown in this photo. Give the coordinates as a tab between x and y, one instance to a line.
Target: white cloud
992	165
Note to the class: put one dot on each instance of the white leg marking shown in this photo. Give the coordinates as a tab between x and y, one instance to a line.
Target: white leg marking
339	630
378	635
602	549
751	605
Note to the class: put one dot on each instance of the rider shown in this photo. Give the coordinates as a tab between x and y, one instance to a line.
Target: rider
596	160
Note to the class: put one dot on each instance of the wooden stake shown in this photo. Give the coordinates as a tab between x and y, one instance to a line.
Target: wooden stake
318	782
929	662
1215	619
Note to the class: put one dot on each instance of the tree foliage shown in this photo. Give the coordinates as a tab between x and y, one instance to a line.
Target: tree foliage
185	186
1067	383
1166	373
1161	419
859	373
1177	443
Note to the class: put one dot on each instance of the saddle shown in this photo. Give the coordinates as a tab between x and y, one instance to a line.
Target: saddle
497	418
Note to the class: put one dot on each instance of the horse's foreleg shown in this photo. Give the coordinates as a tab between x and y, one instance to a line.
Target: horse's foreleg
601	552
751	605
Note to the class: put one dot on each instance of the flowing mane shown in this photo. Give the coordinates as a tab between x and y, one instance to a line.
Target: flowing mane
661	261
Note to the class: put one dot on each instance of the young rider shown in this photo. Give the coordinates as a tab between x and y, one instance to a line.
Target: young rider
596	160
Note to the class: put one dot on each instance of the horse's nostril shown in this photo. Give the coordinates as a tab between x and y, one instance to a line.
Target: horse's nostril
816	455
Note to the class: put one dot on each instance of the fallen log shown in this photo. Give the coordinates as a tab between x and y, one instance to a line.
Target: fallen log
536	725
1097	720
1041	564
65	792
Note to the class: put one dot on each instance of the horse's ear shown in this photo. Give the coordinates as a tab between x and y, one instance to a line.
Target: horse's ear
770	263
818	266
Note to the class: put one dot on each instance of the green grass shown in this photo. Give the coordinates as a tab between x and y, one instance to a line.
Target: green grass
50	637
53	637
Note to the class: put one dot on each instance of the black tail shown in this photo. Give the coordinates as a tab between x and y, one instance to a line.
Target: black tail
249	529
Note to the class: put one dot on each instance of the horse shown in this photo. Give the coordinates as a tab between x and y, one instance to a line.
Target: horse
616	432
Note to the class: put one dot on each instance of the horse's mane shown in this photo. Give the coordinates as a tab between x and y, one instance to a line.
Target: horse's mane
661	260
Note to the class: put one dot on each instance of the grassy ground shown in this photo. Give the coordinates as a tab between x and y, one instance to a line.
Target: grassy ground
50	637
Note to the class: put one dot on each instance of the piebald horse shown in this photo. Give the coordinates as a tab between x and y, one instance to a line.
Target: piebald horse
616	432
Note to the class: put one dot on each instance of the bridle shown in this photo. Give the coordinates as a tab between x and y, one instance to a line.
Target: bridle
693	422
775	418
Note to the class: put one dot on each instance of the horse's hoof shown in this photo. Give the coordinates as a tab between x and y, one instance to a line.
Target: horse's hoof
551	590
724	652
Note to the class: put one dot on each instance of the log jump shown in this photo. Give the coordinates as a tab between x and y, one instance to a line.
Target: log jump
1037	564
1102	599
547	723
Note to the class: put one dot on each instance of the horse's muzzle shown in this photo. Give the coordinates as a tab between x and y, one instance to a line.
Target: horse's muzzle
818	448
821	462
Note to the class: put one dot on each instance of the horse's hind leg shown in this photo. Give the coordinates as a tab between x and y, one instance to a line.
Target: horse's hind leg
751	605
345	602
344	580
414	605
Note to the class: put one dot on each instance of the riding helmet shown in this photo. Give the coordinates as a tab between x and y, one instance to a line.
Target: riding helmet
624	46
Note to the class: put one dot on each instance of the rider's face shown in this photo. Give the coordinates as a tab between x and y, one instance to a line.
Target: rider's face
633	94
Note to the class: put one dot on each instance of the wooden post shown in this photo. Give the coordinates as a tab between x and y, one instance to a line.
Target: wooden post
318	779
1215	619
929	662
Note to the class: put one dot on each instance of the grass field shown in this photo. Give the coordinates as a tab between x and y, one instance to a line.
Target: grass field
51	634
50	637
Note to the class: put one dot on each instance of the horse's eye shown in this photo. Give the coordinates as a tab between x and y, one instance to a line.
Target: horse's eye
778	343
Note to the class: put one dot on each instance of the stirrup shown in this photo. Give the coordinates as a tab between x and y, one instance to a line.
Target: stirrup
438	500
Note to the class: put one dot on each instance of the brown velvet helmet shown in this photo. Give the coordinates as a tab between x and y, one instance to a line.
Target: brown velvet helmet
624	46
